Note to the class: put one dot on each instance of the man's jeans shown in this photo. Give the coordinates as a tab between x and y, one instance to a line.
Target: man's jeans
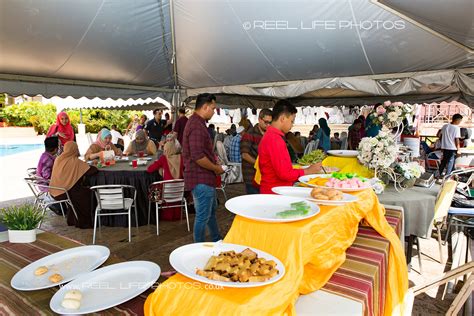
449	157
205	204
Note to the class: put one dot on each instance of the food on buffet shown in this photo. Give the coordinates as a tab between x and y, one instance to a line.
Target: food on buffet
55	278
72	299
298	209
341	180
245	266
326	194
312	157
41	270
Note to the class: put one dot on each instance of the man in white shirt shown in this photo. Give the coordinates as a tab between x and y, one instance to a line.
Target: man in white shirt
450	143
117	138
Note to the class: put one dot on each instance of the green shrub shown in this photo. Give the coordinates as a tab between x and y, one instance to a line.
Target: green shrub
42	116
23	217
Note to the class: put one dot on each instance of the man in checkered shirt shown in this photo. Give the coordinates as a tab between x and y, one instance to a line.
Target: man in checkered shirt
201	169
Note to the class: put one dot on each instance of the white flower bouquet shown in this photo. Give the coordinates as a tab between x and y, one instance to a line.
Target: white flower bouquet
391	114
377	152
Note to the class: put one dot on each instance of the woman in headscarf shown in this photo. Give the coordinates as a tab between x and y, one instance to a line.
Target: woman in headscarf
323	135
361	118
68	173
170	164
170	167
62	129
141	143
103	142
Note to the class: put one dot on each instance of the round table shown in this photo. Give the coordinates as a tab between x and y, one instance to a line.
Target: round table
418	204
123	173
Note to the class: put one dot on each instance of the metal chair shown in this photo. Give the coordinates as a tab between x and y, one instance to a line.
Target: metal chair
44	200
112	201
31	172
164	192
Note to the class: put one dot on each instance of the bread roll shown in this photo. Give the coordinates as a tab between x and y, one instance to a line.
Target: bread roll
71	304
73	295
41	270
55	278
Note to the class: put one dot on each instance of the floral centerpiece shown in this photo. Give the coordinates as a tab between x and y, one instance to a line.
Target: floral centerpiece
408	172
377	152
391	114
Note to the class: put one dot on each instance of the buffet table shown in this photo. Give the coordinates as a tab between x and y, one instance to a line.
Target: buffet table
311	250
123	173
348	164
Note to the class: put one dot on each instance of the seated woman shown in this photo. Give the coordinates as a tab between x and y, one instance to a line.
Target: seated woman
170	164
68	173
62	129
103	142
170	167
141	143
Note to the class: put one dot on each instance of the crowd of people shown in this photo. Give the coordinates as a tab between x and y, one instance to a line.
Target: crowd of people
197	152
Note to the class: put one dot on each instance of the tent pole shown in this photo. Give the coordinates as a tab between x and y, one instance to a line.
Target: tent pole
174	61
80	115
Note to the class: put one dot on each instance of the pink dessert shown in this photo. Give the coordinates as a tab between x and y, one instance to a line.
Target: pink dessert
353	183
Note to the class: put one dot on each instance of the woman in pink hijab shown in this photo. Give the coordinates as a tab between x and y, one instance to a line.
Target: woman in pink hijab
62	129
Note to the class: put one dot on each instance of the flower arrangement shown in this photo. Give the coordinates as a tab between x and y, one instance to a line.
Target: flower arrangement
409	170
391	114
377	152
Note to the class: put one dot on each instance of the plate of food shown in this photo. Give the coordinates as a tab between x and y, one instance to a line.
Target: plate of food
105	288
227	265
121	158
59	268
311	158
272	208
321	196
345	182
343	153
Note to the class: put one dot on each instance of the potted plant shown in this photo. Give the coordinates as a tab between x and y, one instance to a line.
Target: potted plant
21	221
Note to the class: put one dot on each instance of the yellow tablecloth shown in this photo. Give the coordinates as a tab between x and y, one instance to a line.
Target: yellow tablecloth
348	164
311	250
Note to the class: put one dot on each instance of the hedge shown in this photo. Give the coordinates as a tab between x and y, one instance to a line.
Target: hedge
42	116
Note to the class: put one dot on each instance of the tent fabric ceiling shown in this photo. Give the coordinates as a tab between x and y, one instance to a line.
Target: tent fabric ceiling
97	103
234	43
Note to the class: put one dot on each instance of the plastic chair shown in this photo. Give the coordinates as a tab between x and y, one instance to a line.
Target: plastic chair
44	200
112	201
312	145
225	179
168	191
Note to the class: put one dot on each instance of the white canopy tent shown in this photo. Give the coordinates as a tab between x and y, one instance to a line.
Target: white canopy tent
250	53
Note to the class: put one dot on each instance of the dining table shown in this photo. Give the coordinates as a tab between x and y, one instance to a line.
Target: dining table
311	251
122	172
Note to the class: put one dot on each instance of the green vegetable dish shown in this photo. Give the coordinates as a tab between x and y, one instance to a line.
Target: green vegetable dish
313	157
298	209
347	175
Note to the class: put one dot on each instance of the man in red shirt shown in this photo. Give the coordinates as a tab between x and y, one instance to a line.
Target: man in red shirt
201	169
273	156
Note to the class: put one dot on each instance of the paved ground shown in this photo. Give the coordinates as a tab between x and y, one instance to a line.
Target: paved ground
147	246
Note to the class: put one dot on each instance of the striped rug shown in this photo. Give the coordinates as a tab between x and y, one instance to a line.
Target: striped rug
13	257
362	276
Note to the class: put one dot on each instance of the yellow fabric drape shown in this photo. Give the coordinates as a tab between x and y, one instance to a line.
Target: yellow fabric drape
348	164
311	250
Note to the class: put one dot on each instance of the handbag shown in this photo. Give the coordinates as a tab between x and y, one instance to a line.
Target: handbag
107	155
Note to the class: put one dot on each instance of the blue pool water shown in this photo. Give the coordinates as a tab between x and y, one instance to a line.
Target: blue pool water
6	150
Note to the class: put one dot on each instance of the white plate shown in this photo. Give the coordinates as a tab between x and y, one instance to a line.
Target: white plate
188	258
108	287
305	179
139	163
69	263
123	158
305	193
343	153
263	207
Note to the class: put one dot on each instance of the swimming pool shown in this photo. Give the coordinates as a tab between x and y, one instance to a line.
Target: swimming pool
6	150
